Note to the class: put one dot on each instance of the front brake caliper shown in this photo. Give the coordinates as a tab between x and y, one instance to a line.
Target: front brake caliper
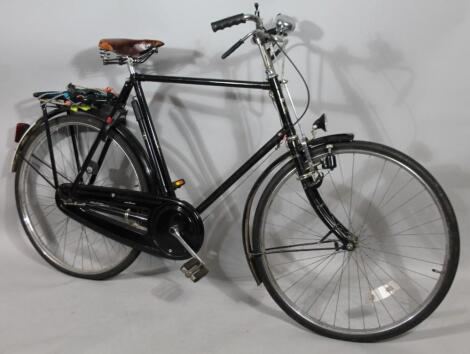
329	162
313	176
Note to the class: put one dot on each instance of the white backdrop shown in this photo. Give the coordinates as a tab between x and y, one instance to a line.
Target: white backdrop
395	72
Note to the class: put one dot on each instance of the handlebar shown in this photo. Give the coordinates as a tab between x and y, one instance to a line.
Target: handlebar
235	20
283	24
228	22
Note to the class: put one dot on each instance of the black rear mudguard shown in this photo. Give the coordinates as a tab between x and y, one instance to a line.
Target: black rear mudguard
119	129
247	213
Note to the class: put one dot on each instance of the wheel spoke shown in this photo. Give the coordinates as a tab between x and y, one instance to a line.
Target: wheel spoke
397	252
64	242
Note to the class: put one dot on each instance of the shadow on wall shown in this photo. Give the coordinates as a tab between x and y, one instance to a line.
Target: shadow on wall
383	60
169	60
242	112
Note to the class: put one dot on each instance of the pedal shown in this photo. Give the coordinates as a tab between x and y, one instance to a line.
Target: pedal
194	269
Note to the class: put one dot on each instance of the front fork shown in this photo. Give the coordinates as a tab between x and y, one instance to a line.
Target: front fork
311	177
306	167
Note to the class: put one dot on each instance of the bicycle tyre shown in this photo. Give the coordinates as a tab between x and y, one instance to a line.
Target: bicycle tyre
381	248
35	199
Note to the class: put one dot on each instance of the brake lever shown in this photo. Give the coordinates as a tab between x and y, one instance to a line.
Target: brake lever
232	49
237	45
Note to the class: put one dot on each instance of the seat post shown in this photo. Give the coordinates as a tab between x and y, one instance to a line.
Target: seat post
130	65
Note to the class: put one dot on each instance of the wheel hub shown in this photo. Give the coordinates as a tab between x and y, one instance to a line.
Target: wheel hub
352	244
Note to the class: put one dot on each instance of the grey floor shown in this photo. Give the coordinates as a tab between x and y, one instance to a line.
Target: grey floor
153	308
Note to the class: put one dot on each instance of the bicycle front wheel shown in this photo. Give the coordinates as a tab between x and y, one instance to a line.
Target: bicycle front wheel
66	244
405	237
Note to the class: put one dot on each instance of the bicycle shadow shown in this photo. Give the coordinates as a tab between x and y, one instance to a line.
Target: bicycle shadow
225	250
383	60
233	257
462	326
452	177
203	166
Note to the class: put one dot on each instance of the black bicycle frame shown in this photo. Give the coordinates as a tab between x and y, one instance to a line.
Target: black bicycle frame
155	154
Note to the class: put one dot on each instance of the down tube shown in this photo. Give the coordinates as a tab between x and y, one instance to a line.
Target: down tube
276	139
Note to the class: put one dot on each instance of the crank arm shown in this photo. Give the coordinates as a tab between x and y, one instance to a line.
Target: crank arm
176	234
195	268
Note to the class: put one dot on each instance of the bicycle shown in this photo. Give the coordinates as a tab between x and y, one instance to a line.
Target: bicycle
352	239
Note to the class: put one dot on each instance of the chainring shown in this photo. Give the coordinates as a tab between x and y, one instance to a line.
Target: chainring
188	223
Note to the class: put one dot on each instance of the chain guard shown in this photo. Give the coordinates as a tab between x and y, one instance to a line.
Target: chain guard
92	206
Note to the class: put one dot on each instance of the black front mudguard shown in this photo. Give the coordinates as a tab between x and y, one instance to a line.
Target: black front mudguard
247	213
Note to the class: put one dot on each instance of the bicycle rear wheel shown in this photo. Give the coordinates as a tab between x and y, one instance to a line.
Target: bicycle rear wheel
63	242
405	235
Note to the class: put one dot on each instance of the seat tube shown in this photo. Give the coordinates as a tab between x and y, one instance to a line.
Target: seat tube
152	143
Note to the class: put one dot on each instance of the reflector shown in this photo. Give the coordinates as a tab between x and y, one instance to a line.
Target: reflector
20	130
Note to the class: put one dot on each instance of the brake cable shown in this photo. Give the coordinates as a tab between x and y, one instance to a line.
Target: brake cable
301	77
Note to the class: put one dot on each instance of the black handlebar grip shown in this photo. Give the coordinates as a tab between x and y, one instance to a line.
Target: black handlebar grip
232	49
228	22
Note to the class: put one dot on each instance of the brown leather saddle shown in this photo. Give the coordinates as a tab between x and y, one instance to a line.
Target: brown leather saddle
129	47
